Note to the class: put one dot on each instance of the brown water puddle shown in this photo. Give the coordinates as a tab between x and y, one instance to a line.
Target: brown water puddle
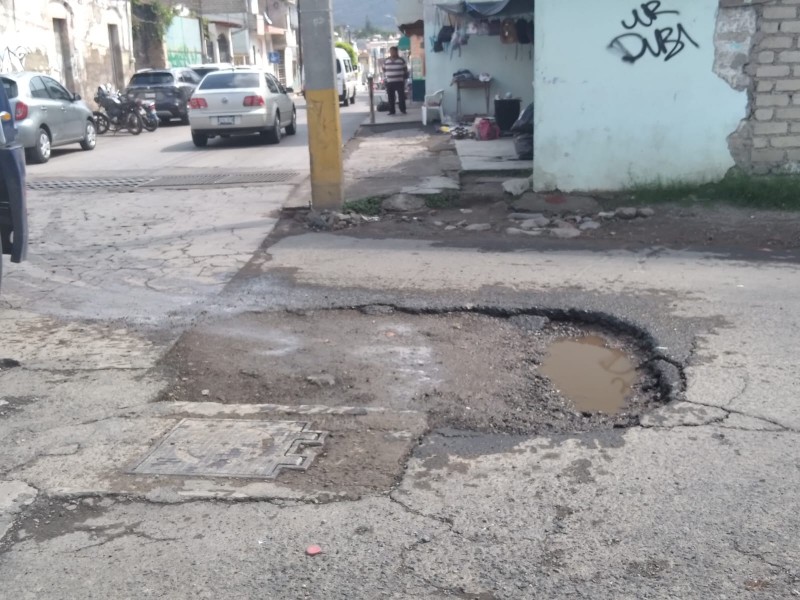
593	377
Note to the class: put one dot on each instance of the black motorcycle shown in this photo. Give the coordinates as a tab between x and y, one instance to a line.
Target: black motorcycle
117	113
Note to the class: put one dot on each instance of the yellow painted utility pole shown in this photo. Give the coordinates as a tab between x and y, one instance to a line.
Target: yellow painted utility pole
322	102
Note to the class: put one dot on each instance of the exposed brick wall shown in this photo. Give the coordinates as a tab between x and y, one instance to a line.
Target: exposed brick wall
775	88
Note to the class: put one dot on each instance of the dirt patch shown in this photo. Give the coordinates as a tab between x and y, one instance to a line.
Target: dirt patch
728	231
463	370
378	380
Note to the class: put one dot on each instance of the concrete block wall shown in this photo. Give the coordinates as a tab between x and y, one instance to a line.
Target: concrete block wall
775	89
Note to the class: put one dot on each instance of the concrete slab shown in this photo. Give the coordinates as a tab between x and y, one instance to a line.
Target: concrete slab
232	448
492	155
13	496
381	118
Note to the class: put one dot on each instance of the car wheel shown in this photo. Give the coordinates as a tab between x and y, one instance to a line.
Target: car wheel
200	140
353	97
40	153
346	101
164	120
273	134
184	119
90	138
292	129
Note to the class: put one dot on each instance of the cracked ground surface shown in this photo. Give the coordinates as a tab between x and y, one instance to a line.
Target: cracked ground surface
696	501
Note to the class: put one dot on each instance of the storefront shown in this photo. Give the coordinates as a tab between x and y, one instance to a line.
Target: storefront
478	51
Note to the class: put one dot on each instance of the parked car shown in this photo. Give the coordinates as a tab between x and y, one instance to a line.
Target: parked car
47	115
241	102
203	70
170	89
13	213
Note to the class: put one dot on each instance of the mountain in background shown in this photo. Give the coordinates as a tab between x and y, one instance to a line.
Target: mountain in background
355	12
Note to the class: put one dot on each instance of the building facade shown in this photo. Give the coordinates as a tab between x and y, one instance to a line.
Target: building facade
679	91
262	33
81	43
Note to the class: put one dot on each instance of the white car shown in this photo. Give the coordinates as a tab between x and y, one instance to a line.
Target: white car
241	102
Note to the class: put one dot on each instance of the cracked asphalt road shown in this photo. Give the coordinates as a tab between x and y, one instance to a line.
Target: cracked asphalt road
698	501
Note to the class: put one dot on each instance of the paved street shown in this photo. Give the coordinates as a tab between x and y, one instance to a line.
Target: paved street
193	314
170	150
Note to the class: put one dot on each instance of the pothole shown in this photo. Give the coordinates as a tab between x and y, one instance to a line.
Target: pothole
591	376
521	374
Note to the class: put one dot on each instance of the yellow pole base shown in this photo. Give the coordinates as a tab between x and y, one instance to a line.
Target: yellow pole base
325	149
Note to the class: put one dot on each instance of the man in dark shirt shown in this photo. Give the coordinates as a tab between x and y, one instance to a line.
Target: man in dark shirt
395	73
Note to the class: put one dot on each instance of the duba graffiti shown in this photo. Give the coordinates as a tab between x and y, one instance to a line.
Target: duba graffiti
665	42
13	59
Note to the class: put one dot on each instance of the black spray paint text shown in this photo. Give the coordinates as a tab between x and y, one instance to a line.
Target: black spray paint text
666	42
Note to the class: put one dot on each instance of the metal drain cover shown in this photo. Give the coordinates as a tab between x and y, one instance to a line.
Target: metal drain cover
86	184
233	448
196	179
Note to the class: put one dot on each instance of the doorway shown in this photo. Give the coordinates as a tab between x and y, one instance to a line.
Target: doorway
115	48
63	53
224	49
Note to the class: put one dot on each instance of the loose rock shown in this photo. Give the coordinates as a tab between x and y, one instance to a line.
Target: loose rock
517	231
529	322
517	187
517	216
606	215
565	233
323	380
403	203
535	223
478	227
317	221
646	212
589	225
626	213
562	224
450	228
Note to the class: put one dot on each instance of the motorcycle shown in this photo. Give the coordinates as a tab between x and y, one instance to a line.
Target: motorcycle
116	114
147	111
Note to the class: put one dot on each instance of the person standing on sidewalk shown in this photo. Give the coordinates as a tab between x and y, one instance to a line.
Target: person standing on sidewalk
395	73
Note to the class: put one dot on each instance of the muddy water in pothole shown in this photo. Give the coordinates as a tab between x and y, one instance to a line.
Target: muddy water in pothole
590	375
462	370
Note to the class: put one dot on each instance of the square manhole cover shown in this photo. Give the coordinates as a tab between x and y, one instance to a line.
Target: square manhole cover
233	448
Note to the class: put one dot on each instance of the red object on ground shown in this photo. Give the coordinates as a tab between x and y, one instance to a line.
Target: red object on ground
555	199
313	550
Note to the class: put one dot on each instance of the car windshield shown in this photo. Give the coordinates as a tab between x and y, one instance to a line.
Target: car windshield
228	81
152	79
12	91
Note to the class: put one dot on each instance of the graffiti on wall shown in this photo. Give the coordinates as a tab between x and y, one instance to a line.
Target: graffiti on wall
646	33
12	58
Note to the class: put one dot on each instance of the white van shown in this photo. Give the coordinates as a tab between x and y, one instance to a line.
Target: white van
346	76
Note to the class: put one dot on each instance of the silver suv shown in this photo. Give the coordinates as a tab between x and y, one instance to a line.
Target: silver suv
47	115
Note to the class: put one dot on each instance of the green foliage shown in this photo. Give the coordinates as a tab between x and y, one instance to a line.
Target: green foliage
442	200
365	206
154	15
737	189
350	50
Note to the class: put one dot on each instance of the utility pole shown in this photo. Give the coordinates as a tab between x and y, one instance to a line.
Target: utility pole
322	105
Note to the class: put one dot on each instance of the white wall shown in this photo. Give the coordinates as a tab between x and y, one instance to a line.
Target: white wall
510	65
602	123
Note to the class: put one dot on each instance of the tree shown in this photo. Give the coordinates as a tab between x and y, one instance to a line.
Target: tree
350	50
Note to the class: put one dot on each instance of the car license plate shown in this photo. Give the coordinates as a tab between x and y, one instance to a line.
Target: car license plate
226	120
150	96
